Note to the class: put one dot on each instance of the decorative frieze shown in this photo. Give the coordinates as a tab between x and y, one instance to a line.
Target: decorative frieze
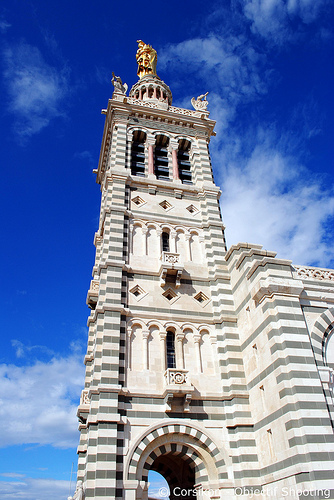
172	109
315	273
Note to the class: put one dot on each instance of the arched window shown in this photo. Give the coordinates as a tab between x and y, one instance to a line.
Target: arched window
138	153
170	350
184	161
161	168
165	242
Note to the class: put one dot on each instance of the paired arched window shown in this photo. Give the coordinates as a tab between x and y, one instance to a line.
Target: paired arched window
161	157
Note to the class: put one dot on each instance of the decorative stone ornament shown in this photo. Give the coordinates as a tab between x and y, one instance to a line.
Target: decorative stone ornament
120	87
200	104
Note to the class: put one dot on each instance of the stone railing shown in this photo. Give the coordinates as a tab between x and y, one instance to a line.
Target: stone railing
174	376
172	109
315	273
170	258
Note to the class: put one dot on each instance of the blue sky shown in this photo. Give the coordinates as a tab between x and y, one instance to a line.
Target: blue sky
268	67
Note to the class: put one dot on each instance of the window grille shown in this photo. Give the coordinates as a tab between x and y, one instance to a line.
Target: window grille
184	162
161	168
138	153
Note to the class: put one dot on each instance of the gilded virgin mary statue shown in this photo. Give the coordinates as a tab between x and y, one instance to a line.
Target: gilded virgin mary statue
146	58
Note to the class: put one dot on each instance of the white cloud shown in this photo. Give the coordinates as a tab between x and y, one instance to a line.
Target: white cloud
269	198
85	155
272	18
4	26
39	402
36	89
230	63
34	489
21	350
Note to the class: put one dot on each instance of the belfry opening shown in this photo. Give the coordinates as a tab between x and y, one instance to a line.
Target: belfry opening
213	367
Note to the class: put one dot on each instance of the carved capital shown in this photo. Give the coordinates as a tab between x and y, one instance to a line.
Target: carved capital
180	336
146	334
150	141
196	338
173	145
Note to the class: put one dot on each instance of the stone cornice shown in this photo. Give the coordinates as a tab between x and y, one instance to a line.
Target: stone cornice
267	288
241	245
178	318
265	261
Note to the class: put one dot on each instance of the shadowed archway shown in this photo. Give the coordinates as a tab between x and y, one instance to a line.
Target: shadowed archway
179	472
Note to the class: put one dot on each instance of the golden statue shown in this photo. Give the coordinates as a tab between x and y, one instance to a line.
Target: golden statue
147	59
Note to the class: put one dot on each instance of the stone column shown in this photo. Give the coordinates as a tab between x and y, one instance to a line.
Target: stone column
129	335
187	247
159	233
129	149
172	242
213	340
174	148
150	145
197	339
201	240
179	337
145	231
146	335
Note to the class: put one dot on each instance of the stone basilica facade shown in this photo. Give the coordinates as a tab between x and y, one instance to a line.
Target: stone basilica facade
211	366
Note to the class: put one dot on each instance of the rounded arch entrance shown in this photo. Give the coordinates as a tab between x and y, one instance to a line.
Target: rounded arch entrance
184	455
177	468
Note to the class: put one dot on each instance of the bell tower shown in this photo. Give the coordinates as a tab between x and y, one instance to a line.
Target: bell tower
152	356
176	363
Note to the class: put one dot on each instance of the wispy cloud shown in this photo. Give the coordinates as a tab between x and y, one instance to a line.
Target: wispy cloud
12	475
34	489
47	395
232	63
36	89
85	155
280	21
262	173
4	25
22	350
269	197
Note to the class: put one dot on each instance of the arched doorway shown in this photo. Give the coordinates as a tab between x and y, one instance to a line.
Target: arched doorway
184	455
179	472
